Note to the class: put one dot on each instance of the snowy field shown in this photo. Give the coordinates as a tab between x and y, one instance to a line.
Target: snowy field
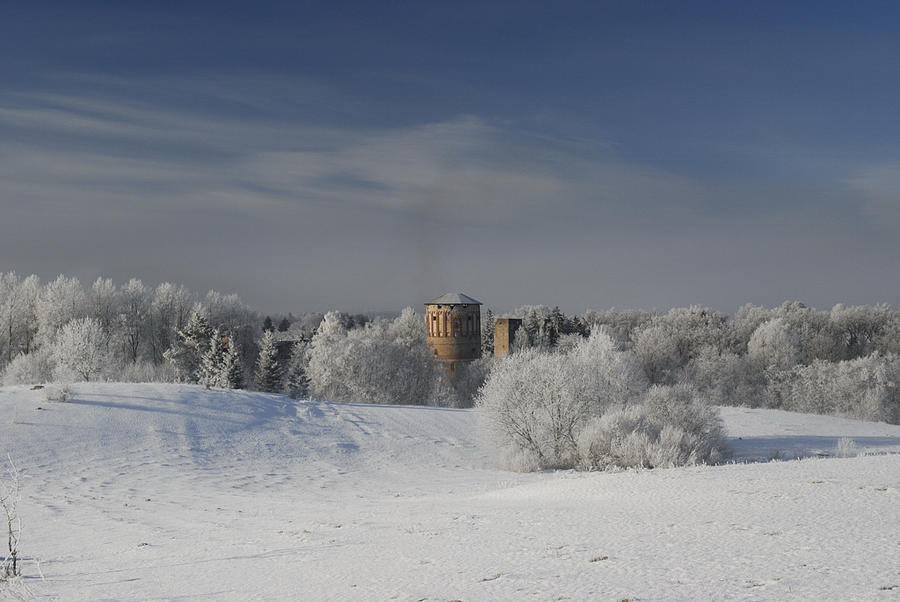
167	492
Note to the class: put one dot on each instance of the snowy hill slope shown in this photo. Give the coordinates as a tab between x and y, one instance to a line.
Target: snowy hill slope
135	492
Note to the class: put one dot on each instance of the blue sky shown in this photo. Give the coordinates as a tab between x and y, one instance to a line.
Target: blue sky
374	155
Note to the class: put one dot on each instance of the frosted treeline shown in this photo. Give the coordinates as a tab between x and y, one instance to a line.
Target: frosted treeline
640	390
385	362
62	330
842	361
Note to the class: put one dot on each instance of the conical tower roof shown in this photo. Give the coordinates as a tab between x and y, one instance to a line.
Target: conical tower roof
454	299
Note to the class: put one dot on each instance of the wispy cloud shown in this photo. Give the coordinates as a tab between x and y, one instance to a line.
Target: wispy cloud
126	183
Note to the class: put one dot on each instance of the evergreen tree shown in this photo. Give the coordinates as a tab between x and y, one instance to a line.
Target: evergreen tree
267	325
212	363
284	325
531	329
268	372
487	334
556	324
296	381
190	345
232	367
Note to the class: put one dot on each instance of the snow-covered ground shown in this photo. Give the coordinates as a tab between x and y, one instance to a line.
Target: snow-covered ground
148	492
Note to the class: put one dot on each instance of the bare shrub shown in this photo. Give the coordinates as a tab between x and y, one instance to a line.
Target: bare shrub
58	393
9	502
30	368
846	448
673	427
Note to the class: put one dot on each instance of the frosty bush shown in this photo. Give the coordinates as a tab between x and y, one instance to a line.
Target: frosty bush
537	403
30	368
672	427
846	448
57	393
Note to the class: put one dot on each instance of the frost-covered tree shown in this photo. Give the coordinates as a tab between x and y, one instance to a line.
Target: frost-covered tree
383	362
212	362
296	381
887	341
220	365
59	302
230	314
865	388
134	310
169	311
659	351
668	342
268	372
775	345
621	325
233	366
534	329
29	289
327	357
557	325
103	306
17	314
745	322
726	378
80	350
858	327
190	345
819	339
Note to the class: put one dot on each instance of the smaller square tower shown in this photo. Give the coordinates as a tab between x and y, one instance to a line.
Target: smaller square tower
504	335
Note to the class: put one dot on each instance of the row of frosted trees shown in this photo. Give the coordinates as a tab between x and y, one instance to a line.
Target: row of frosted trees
132	325
842	361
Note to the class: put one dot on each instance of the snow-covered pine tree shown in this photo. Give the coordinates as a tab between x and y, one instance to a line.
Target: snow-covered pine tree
190	344
487	334
232	375
296	382
268	372
212	362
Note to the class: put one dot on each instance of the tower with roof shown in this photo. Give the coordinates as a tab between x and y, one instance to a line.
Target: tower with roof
454	328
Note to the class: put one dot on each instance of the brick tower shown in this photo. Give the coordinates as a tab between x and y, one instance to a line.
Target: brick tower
454	329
